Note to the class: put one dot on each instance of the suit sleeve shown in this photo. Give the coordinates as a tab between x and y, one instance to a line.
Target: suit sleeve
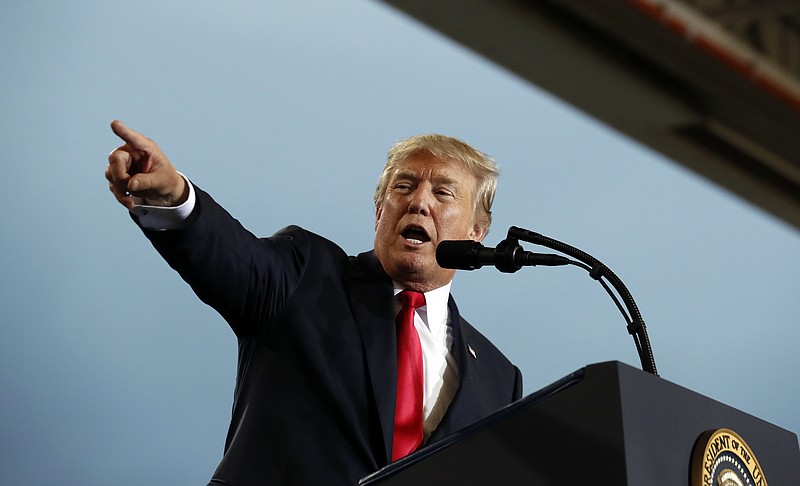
245	278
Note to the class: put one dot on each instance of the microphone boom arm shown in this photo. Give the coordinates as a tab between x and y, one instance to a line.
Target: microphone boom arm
597	270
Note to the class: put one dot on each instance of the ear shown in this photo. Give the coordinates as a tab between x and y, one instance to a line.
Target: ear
378	211
478	233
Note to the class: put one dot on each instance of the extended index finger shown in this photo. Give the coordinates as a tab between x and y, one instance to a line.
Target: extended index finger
133	138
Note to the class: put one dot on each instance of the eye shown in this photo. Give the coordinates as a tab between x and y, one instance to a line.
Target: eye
403	186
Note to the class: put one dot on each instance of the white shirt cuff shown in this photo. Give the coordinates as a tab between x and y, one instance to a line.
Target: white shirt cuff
162	218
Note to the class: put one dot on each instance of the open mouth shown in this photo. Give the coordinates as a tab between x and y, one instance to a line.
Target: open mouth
416	235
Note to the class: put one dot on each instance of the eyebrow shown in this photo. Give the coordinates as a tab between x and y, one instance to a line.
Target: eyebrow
436	179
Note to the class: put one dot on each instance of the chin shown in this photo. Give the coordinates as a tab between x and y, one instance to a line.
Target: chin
405	267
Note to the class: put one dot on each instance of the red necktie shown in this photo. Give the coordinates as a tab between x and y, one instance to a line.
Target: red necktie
408	410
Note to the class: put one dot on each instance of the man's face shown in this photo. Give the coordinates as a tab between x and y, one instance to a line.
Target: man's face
427	200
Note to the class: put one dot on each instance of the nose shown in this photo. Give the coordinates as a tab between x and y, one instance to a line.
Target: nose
421	201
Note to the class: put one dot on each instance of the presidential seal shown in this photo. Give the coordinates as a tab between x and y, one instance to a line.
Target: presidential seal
722	458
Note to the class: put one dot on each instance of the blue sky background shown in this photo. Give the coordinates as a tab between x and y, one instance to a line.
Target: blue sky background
112	372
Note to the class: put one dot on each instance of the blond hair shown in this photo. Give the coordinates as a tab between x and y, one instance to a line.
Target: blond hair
481	165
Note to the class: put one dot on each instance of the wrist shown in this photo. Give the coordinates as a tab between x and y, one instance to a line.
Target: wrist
175	197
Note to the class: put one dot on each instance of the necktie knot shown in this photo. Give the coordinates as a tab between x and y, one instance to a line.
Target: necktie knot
411	298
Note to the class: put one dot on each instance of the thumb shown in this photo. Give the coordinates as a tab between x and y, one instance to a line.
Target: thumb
159	188
141	182
158	183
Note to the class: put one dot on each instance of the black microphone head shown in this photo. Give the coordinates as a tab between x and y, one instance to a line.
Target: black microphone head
458	254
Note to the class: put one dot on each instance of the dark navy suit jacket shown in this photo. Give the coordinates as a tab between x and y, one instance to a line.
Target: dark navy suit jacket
315	389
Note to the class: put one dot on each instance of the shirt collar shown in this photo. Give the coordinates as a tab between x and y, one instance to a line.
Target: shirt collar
434	313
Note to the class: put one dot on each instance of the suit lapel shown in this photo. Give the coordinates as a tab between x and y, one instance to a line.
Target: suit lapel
466	405
373	308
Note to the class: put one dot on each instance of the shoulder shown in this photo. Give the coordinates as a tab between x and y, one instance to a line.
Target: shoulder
307	248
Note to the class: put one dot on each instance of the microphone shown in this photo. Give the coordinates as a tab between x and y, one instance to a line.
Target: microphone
508	257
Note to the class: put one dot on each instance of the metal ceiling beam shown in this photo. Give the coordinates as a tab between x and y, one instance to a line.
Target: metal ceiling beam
734	120
753	12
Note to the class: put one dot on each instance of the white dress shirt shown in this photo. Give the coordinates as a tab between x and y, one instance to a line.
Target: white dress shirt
432	322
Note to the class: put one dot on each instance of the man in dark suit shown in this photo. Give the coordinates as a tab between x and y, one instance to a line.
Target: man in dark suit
329	387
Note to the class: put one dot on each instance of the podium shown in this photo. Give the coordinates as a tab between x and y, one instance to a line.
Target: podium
608	423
